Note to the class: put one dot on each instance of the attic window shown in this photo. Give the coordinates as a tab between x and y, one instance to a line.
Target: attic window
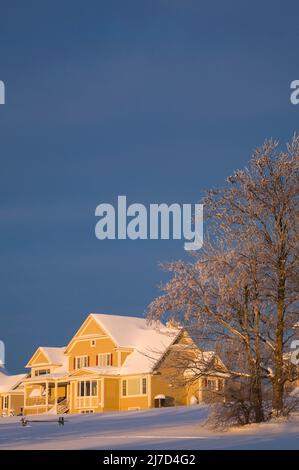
93	343
42	372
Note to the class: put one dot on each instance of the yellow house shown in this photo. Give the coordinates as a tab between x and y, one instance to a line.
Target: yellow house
11	394
117	363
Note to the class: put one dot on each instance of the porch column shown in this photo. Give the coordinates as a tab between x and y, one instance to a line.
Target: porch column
103	392
47	395
56	396
25	397
149	390
70	396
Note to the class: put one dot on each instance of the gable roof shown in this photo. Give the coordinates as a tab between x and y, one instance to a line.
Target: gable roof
9	382
135	332
55	356
149	341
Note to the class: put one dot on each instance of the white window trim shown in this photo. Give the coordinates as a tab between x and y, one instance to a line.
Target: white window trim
81	357
212	381
5	399
90	388
104	355
88	402
139	394
41	368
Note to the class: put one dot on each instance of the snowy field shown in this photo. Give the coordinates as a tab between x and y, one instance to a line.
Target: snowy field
168	428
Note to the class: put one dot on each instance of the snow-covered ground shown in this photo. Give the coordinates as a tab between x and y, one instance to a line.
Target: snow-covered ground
168	428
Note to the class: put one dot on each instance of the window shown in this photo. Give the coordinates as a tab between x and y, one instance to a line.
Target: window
212	385
94	388
124	388
87	388
5	402
220	385
42	372
134	386
144	386
93	343
81	361
86	411
105	360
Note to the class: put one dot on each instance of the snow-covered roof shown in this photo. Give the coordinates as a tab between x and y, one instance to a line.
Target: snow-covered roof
55	355
9	382
150	341
131	332
202	361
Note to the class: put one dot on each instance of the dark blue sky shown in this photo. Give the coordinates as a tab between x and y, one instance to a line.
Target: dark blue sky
154	99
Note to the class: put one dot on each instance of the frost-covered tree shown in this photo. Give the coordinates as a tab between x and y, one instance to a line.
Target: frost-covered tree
241	289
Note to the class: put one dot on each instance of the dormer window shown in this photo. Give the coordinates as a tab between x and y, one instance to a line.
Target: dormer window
104	360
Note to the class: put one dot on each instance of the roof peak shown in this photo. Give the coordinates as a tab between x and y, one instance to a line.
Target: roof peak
118	315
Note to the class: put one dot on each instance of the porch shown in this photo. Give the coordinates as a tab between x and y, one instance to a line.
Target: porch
46	396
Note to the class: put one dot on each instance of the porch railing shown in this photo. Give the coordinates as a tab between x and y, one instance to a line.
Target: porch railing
39	401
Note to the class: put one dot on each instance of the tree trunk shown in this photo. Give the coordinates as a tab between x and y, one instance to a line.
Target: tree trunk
257	381
257	397
278	383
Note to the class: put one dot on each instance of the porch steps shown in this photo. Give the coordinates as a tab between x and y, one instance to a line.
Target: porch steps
62	407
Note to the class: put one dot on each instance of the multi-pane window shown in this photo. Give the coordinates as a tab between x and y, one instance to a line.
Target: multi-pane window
124	388
144	390
105	360
87	388
42	372
81	361
134	386
213	384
